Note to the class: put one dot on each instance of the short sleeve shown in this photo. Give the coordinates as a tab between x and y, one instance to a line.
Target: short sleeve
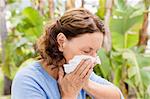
103	81
25	87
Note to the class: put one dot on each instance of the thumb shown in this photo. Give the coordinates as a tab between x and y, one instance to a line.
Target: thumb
60	74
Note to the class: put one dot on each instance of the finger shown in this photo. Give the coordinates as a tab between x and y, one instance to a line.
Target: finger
79	65
86	70
61	74
83	67
88	74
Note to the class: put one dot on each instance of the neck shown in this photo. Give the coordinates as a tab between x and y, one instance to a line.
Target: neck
48	68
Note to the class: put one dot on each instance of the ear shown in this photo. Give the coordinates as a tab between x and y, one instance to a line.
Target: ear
61	39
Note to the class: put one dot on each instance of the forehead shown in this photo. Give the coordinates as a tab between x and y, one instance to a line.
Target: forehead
88	40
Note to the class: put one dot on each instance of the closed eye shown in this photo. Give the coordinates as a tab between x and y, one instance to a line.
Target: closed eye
86	52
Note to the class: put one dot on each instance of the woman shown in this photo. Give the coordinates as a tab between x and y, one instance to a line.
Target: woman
77	32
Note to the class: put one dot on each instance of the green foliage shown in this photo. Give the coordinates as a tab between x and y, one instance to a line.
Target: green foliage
19	44
105	66
101	9
1	81
31	24
10	1
123	23
126	62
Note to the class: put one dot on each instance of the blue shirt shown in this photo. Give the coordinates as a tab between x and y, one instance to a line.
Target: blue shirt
33	82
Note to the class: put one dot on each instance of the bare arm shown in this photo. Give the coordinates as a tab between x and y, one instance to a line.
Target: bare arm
101	91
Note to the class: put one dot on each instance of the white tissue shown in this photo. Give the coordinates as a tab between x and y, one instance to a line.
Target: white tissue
73	63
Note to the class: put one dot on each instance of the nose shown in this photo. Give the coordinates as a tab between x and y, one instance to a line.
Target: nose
94	54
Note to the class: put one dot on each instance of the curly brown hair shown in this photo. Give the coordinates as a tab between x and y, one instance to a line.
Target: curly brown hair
73	23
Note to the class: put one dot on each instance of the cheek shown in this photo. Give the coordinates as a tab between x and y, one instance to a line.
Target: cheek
70	51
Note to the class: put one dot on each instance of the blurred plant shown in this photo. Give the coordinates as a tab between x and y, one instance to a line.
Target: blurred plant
125	64
143	32
25	20
27	27
105	12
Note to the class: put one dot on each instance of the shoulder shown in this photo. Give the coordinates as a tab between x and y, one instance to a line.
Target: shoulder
26	81
28	72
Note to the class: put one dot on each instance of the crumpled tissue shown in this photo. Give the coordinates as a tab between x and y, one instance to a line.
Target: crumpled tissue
73	63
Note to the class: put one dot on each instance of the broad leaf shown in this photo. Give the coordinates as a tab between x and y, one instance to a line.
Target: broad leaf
33	15
105	63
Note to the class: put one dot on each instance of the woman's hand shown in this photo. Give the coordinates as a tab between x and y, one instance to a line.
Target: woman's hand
71	84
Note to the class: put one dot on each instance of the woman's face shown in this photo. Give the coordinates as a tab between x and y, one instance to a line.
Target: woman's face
85	44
